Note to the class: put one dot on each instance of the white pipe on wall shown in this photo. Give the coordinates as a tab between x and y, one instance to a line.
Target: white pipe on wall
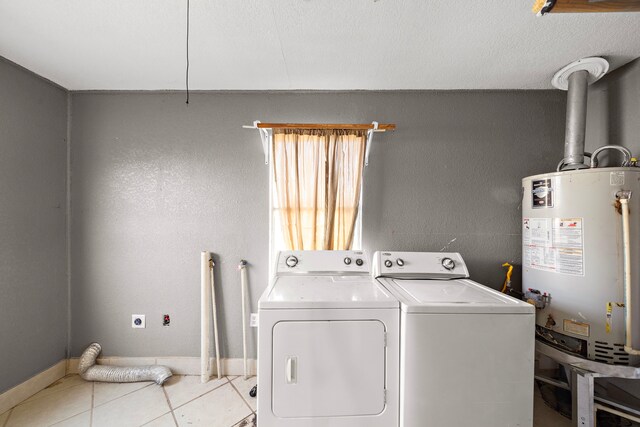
626	245
243	284
205	315
215	317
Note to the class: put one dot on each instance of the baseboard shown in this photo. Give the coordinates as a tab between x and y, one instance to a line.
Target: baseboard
178	365
25	390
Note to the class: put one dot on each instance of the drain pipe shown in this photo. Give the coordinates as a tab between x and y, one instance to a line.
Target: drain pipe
575	128
623	197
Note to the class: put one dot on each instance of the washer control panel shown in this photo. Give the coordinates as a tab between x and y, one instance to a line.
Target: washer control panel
322	262
419	265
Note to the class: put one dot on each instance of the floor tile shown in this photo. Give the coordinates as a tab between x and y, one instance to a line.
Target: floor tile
244	386
222	407
52	408
61	384
106	392
133	409
164	421
218	403
80	420
182	389
3	418
250	421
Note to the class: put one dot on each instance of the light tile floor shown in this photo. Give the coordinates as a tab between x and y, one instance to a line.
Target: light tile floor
182	401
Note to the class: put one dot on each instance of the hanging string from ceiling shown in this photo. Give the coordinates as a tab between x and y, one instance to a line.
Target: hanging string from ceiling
187	70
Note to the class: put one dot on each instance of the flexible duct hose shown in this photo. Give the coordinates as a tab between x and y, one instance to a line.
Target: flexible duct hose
89	371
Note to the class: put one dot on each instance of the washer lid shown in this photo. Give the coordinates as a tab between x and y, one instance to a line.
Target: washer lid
326	292
454	296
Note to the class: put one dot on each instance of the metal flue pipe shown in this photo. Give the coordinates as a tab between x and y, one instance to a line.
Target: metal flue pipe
576	121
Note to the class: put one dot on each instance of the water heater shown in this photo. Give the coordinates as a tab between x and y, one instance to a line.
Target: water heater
579	269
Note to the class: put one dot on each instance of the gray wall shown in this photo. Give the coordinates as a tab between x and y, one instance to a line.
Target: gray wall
613	115
155	181
33	281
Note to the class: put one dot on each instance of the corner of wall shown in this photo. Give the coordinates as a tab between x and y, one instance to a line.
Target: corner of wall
68	222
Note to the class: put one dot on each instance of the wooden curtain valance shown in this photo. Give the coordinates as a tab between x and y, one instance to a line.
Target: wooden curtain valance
265	130
542	7
354	126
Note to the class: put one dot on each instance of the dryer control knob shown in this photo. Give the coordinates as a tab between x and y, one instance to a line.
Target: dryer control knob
448	263
388	263
359	262
347	260
291	261
400	262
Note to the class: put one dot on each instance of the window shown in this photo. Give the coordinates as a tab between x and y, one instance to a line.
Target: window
315	184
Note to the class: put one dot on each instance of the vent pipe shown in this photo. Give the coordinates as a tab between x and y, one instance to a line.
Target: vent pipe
575	78
576	126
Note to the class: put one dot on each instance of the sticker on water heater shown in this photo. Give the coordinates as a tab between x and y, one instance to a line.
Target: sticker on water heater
568	238
616	178
542	193
537	240
576	328
555	245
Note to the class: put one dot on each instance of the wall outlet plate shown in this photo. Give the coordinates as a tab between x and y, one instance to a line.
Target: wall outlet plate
253	322
137	321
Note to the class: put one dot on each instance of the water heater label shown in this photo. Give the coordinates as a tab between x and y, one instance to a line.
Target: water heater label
542	193
576	328
616	178
554	244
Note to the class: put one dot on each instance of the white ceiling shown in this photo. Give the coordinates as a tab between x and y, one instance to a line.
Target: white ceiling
306	44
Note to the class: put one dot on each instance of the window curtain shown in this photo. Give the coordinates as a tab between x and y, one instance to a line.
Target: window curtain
318	177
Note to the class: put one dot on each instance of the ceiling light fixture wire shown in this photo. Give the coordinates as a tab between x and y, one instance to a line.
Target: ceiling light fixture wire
187	70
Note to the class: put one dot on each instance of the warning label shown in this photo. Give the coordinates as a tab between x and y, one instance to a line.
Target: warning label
574	327
554	244
542	193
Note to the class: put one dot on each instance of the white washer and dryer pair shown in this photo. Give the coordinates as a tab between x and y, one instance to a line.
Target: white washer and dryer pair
419	346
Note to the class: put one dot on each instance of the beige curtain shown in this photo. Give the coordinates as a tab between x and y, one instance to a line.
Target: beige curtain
318	176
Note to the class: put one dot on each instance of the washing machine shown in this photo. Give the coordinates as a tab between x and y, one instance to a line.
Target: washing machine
466	351
328	344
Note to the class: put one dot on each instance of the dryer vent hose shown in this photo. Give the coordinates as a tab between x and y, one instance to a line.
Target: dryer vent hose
117	374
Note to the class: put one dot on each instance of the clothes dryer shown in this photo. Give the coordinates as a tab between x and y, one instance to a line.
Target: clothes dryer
328	344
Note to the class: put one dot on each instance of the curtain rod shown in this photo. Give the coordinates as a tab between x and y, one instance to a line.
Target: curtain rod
354	126
265	130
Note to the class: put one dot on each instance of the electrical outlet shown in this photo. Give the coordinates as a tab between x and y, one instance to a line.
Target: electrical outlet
137	321
253	322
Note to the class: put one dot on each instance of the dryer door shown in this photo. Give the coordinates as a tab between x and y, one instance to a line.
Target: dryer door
328	368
